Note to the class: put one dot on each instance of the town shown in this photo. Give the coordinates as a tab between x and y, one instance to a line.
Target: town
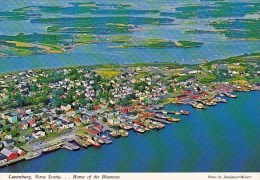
43	110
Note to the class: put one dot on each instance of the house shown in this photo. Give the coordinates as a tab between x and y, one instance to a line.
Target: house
3	158
182	97
31	122
24	125
1	144
21	111
92	131
26	137
66	107
222	66
10	154
28	111
19	151
12	118
38	133
71	124
8	142
8	136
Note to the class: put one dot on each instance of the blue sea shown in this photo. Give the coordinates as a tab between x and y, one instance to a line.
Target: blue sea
216	46
223	138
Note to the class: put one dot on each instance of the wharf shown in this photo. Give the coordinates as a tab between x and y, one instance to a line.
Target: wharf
51	148
167	112
70	146
160	120
181	112
12	161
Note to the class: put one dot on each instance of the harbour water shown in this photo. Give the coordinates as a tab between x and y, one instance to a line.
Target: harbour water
222	138
216	46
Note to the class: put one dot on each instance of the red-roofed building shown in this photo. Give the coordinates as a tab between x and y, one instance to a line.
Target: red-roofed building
10	154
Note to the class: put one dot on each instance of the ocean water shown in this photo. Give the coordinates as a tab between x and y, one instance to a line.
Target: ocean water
223	138
216	46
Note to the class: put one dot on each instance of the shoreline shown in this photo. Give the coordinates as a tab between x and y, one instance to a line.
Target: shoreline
86	104
24	158
132	64
119	64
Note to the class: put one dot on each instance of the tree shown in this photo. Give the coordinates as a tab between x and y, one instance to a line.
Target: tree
58	112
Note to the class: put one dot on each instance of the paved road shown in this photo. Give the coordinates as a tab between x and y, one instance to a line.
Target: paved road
47	143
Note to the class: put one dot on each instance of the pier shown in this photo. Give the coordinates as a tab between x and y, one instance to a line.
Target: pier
70	146
181	112
12	161
160	120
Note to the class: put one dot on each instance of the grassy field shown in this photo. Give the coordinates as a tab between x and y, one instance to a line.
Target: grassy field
109	73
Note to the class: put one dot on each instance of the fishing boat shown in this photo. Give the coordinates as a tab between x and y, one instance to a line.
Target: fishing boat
183	112
82	143
114	134
123	133
93	143
99	140
138	129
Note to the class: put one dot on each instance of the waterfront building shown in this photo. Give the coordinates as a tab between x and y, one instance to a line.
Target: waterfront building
10	154
3	159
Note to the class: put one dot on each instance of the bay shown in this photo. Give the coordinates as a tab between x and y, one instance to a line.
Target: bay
223	138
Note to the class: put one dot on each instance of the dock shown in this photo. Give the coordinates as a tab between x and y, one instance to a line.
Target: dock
70	146
21	158
160	120
167	112
51	148
181	112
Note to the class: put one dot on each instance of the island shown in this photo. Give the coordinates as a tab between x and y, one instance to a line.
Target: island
43	110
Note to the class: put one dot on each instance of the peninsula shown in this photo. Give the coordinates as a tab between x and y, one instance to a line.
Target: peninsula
43	110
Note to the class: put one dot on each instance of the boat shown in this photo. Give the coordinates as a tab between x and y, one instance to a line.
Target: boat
176	120
200	106
164	112
106	137
160	125
177	113
128	127
114	134
151	126
138	129
93	143
123	133
82	143
231	95
33	155
99	140
146	128
183	112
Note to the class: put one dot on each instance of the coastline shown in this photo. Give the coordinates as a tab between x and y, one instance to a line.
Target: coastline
144	117
90	154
